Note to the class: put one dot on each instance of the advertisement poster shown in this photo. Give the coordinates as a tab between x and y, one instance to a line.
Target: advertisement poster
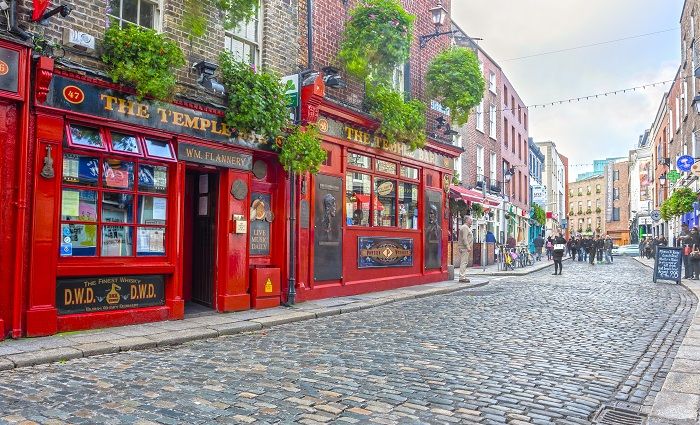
384	252
106	293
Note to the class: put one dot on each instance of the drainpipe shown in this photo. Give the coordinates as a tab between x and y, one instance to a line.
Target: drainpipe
23	157
14	28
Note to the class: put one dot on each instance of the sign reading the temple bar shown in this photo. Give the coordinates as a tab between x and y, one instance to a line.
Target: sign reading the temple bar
384	252
79	96
337	129
9	70
214	156
92	294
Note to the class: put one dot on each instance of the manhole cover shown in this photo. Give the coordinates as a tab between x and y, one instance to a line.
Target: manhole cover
616	416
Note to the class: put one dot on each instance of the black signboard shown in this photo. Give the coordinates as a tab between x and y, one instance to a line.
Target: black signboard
79	96
669	261
328	239
384	252
433	232
94	294
213	156
260	218
9	70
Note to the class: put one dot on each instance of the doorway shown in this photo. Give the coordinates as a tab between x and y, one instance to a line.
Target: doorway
200	240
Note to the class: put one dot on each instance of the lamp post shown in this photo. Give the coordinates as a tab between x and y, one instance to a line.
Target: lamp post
438	15
662	180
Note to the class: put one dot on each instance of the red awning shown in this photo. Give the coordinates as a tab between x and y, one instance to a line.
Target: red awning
471	195
362	198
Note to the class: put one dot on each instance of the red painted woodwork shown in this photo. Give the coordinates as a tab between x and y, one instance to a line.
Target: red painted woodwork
265	287
44	74
9	142
311	97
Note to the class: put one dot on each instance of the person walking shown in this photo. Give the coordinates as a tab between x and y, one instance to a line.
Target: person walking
695	253
608	246
592	248
684	242
539	243
465	243
559	246
549	246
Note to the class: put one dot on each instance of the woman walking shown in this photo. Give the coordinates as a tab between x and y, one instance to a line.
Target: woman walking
558	253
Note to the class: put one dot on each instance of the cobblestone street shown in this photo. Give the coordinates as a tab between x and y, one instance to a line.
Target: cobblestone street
530	349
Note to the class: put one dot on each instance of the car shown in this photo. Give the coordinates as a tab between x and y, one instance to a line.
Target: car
627	250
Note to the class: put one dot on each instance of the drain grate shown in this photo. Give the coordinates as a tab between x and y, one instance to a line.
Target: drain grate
615	416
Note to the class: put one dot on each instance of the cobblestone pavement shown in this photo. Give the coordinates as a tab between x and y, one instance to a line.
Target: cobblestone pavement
532	349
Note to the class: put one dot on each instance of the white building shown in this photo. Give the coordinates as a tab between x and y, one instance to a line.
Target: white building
554	180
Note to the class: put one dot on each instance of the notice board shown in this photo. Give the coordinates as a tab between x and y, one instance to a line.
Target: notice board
669	261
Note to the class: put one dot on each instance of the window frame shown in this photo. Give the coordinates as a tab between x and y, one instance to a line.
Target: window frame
257	43
157	16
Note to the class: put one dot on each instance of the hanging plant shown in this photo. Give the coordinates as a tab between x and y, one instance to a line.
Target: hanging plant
301	151
143	59
679	203
540	215
236	12
455	80
256	99
194	21
399	121
376	39
477	210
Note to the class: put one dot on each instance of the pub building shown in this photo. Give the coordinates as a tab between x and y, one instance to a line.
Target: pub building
142	210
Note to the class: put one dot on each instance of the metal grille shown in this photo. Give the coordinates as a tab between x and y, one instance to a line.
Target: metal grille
615	416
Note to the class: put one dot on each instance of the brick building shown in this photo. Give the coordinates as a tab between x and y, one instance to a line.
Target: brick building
565	163
587	205
617	220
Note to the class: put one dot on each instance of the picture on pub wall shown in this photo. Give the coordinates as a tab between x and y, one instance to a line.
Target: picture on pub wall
328	242
433	231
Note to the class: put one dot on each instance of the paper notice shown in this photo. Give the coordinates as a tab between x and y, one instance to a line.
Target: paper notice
159	205
70	204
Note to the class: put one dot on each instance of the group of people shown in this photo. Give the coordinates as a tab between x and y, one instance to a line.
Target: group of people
647	246
555	246
689	240
586	248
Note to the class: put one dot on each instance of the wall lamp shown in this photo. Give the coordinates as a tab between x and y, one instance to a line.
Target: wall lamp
442	123
64	10
662	180
206	76
509	174
438	15
696	103
332	78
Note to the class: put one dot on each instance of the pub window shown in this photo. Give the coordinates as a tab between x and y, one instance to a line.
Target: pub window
409	172
112	206
160	149
357	197
328	162
384	204
359	161
385	167
408	206
140	12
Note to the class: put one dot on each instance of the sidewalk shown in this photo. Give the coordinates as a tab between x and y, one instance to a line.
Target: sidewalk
678	402
492	270
71	345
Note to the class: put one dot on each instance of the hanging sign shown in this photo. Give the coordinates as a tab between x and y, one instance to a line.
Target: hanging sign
685	162
673	176
655	215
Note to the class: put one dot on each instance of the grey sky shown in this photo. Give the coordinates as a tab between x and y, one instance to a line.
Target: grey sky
608	126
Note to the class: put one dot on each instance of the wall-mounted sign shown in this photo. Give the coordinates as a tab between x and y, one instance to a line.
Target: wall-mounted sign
260	218
432	250
328	240
9	70
685	162
65	92
341	131
93	294
384	252
213	156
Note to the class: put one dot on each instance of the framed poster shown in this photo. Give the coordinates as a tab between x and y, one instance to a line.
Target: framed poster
328	238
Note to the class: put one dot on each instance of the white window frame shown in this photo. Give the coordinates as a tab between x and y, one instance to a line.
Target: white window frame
492	82
480	116
492	122
157	15
493	159
479	161
257	44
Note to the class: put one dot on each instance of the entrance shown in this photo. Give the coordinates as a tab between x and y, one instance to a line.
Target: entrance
199	239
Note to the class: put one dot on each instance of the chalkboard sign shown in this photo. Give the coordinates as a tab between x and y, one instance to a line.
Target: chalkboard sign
668	263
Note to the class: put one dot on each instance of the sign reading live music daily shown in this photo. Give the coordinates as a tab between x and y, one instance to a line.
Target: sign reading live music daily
9	70
79	96
106	293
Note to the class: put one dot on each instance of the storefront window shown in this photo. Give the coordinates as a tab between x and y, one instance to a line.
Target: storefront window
409	172
86	136
386	167
357	197
360	161
408	206
159	148
104	205
384	204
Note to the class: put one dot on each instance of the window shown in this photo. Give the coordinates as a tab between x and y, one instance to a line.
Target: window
480	116
360	161
616	214
112	204
505	132
492	121
384	202
520	149
408	206
412	173
616	177
505	96
597	203
492	168
580	191
616	193
399	80
597	188
357	196
479	163
525	120
588	204
385	167
139	12
492	82
244	41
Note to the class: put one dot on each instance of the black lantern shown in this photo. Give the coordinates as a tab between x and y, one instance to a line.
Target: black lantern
438	15
662	180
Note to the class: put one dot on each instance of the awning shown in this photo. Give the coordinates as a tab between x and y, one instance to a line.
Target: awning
472	195
362	198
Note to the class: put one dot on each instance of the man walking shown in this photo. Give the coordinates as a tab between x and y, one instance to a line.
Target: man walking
465	242
539	243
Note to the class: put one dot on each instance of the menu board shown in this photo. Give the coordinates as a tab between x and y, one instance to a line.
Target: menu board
668	263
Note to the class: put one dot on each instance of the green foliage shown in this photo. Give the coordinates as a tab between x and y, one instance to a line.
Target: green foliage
142	58
458	207
477	210
454	78
680	202
301	152
399	121
194	22
256	100
539	214
236	11
376	39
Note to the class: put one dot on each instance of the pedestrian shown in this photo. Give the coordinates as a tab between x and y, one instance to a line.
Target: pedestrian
600	247
608	246
558	248
539	243
465	243
592	248
573	243
684	242
581	248
695	253
549	246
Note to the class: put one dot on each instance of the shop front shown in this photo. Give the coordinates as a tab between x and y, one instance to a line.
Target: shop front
146	210
14	186
375	217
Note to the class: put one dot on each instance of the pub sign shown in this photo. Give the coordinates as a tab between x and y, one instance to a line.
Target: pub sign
384	252
107	293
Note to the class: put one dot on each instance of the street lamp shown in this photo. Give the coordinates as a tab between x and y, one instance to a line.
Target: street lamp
509	174
662	180
438	15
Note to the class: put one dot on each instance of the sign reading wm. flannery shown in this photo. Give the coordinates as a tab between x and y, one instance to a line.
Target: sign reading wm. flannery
212	156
